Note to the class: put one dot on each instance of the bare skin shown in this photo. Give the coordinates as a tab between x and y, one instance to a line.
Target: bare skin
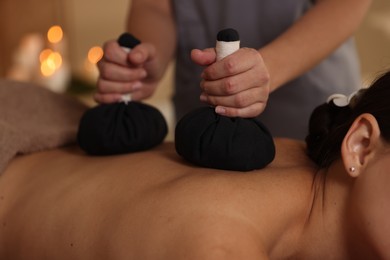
151	205
62	204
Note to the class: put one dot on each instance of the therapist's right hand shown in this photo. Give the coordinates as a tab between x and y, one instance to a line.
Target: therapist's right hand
121	73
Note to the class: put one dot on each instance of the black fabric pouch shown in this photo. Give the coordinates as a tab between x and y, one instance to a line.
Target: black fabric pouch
121	128
210	140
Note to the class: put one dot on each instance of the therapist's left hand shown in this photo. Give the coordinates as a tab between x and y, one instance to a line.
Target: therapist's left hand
238	85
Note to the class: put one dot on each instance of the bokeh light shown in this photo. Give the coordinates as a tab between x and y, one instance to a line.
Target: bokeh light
56	58
95	54
55	34
51	61
48	68
45	54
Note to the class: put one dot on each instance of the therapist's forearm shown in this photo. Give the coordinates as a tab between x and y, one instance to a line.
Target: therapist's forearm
152	21
312	38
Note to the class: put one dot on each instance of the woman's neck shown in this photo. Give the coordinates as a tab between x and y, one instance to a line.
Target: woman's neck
325	231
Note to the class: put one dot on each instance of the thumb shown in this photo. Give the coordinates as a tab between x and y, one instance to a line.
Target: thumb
203	57
142	53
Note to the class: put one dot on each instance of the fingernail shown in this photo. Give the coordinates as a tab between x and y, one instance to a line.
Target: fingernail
118	98
143	74
220	110
137	56
203	98
137	85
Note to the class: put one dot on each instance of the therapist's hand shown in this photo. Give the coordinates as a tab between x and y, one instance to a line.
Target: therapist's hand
122	73
238	85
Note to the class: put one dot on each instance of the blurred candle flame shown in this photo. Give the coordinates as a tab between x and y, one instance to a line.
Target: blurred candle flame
55	34
45	54
48	68
95	54
51	60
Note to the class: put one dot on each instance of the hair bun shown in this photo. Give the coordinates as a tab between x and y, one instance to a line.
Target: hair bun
323	120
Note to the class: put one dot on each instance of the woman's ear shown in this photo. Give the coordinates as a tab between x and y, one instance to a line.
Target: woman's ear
359	144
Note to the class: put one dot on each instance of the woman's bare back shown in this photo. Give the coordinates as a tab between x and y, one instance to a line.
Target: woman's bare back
150	205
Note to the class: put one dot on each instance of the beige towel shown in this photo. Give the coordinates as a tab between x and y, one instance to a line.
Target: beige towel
33	118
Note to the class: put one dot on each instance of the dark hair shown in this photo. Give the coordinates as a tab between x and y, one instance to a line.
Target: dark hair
329	123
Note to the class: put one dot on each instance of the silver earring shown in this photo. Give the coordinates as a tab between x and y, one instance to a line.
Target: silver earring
352	169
